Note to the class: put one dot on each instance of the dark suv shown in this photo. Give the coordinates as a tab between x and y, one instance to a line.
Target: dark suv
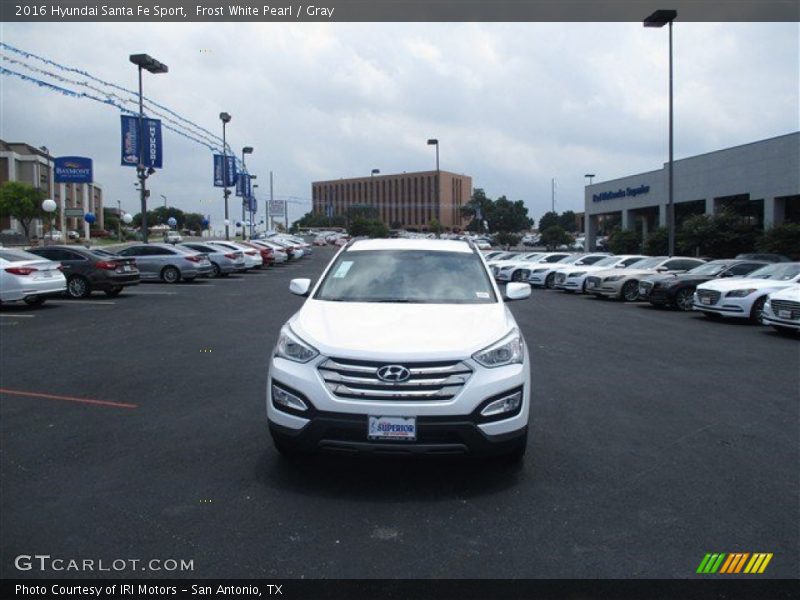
86	271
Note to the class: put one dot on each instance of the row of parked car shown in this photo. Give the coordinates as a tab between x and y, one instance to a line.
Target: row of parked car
763	288
35	274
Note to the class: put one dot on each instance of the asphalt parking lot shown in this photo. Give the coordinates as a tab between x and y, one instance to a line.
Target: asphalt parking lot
656	437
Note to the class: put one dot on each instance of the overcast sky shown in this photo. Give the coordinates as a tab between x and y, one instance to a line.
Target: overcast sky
513	105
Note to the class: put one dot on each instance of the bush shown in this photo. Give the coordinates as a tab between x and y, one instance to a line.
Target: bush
624	241
505	238
368	227
657	242
718	236
781	239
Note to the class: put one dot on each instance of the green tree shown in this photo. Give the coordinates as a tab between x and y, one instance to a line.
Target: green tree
625	241
505	215
657	242
435	227
507	239
719	236
21	201
373	228
477	209
311	219
568	221
781	239
548	219
193	221
555	236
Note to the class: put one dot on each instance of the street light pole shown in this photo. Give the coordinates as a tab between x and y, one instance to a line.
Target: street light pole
225	118
435	142
590	176
372	188
658	19
165	200
144	61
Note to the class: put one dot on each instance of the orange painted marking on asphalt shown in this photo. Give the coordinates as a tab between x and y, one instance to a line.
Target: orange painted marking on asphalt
68	398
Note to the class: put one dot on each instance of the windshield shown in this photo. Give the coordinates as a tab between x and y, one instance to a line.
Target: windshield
778	272
418	276
648	263
709	269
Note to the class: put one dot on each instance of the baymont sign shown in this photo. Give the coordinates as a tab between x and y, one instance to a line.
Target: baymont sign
627	192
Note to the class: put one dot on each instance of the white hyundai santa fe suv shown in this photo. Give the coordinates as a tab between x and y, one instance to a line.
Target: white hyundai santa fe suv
404	346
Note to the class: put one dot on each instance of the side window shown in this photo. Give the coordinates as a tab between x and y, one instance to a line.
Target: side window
69	255
681	265
48	253
743	269
156	251
131	251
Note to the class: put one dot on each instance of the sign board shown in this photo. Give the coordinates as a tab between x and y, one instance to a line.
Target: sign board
152	155
73	169
276	208
230	171
73	212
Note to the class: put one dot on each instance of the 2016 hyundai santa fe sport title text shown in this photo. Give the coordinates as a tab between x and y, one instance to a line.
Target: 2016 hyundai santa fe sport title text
403	347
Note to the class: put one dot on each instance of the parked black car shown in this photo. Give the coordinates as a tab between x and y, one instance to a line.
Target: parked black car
86	271
677	290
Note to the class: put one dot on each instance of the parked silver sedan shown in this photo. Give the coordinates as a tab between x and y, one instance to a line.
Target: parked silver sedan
168	263
223	262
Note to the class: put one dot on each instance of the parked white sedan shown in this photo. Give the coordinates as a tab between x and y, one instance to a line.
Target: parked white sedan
745	297
25	276
782	310
545	275
572	278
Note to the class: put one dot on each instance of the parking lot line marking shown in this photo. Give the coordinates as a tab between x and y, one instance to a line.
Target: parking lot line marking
78	302
142	293
17	315
68	398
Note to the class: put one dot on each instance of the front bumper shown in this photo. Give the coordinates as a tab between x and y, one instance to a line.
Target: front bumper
726	307
452	426
538	279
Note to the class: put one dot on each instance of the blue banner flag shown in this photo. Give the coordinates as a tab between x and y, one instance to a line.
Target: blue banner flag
152	152
72	169
230	171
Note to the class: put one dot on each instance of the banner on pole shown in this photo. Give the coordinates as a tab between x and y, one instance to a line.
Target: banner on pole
276	208
230	171
153	152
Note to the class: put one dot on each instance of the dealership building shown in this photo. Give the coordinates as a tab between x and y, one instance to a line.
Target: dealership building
760	181
28	164
401	201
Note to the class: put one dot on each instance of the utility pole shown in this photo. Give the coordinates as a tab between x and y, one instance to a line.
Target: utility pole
553	194
271	219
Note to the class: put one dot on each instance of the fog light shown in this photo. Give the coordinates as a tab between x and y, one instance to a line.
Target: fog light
281	397
505	404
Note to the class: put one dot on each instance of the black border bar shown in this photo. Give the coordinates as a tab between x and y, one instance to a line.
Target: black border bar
396	10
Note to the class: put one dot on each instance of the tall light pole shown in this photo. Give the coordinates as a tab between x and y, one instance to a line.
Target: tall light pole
253	214
165	200
245	199
372	188
435	142
225	118
148	63
658	19
589	176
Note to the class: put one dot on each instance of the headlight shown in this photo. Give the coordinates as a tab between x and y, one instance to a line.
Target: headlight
538	271
506	268
506	351
740	293
292	347
614	278
577	274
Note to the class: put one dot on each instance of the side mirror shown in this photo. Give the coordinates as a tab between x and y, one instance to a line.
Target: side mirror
300	287
726	274
517	291
662	268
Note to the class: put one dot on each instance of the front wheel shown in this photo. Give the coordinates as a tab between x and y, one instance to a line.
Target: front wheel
757	310
516	276
550	281
170	275
630	291
684	299
217	270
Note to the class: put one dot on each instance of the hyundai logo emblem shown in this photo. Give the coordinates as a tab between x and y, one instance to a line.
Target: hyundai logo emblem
394	373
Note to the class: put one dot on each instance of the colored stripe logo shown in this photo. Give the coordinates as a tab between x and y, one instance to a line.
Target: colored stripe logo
734	563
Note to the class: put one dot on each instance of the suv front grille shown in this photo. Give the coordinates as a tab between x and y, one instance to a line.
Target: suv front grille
358	380
592	281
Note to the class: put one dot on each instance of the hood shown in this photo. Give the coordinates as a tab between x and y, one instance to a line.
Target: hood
791	293
738	283
394	331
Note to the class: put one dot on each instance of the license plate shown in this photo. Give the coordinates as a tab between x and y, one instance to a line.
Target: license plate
785	314
392	428
46	274
705	300
590	284
127	268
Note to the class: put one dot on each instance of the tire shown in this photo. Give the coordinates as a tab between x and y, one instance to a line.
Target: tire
35	300
170	275
217	270
630	291
684	299
583	287
113	292
516	276
758	308
550	281
78	287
